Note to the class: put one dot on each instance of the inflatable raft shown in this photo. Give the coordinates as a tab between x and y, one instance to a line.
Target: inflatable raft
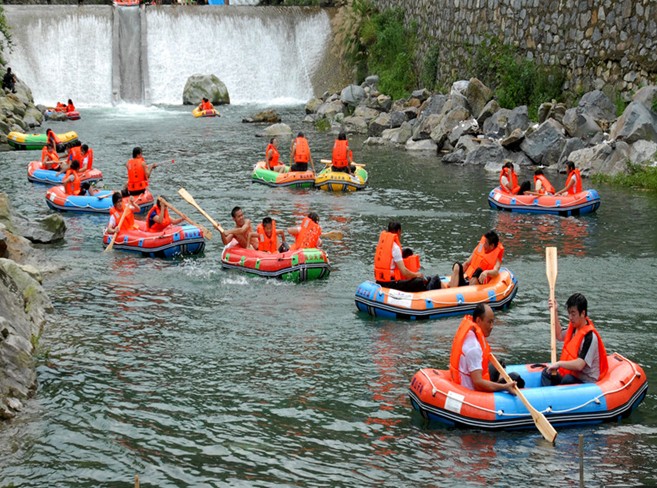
37	174
300	265
175	240
386	302
330	180
101	202
565	205
20	141
72	115
197	112
294	179
613	398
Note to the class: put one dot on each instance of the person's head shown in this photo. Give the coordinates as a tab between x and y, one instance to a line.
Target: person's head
136	152
538	172
70	102
117	200
407	252
300	134
491	240
48	131
273	141
84	148
508	164
238	216
570	165
484	317
577	307
267	226
342	136
9	70
314	217
394	227
75	165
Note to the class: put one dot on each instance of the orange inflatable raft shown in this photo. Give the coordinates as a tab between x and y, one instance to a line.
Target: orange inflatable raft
614	397
581	203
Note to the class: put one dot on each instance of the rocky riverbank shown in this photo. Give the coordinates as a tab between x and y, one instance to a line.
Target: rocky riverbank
468	126
24	305
18	112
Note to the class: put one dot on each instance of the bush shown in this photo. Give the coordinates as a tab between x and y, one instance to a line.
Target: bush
638	176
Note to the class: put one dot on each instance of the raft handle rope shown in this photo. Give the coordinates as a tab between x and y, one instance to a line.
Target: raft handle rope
534	203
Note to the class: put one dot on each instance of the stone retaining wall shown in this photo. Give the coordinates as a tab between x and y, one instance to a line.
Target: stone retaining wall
606	44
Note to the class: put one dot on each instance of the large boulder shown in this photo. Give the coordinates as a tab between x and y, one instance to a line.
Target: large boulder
354	124
485	153
605	158
647	96
424	145
48	230
489	109
571	145
478	95
643	152
330	109
637	122
597	105
425	125
278	130
378	125
266	116
209	86
504	121
366	113
313	104
399	135
544	145
448	122
352	95
579	124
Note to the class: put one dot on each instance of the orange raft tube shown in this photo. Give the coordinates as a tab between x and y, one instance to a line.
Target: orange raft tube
175	240
582	203
295	179
386	302
614	397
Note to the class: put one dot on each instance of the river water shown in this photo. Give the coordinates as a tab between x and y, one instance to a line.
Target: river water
189	375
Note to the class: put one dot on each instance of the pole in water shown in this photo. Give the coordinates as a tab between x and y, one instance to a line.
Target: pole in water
581	460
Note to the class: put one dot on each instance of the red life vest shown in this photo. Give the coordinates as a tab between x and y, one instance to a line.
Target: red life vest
157	226
137	175
267	244
512	177
467	325
60	107
70	107
572	343
341	152
128	221
483	260
75	153
274	160
301	150
89	157
546	186
206	106
72	187
309	234
577	187
53	137
383	259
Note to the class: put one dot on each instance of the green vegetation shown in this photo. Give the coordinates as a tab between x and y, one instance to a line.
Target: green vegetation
5	43
654	105
323	125
638	176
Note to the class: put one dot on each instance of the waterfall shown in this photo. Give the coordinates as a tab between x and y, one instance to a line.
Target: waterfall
101	54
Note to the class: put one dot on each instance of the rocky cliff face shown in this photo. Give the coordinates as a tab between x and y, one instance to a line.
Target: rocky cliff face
17	111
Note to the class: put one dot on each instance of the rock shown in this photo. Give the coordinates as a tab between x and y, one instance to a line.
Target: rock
637	122
485	153
372	81
579	124
597	105
647	96
378	125
504	121
374	141
421	94
209	86
313	104
425	125
383	102
278	130
489	109
352	95
397	118
433	105
423	145
642	152
543	111
477	95
456	157
469	144
268	116
465	127
448	122
572	145
366	113
399	135
513	139
3	243
330	109
459	87
544	145
410	113
605	158
56	116
45	231
354	124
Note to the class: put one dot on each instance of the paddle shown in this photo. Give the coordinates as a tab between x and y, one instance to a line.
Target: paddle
541	422
329	162
334	235
551	271
206	232
190	199
118	228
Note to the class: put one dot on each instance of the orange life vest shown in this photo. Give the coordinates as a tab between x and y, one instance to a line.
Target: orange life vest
267	244
467	325
75	153
157	226
309	234
60	107
577	187
301	150
483	260
206	106
72	187
89	157
274	156
136	175
546	186
128	221
53	137
512	177
48	154
383	259
572	343
70	107
341	152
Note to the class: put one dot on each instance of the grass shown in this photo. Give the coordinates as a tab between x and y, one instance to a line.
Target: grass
638	176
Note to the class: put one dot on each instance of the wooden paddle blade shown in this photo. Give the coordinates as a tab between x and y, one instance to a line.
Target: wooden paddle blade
334	235
190	199
551	272
542	424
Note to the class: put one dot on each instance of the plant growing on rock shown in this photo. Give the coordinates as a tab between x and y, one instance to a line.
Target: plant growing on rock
5	39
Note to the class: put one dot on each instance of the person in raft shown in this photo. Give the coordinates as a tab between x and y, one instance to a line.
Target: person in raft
397	269
483	264
573	180
116	211
60	107
342	157
509	180
300	153
49	157
542	185
205	105
52	137
87	155
242	233
138	174
308	234
158	218
70	107
74	151
71	181
268	237
584	357
469	364
272	156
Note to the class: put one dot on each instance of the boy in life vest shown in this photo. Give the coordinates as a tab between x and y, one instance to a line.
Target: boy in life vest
469	360
509	180
117	211
49	157
268	237
300	153
483	264
71	181
342	157
573	180
308	234
542	185
138	173
272	157
87	155
242	234
158	217
584	357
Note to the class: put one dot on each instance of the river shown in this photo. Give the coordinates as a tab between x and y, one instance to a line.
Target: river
189	375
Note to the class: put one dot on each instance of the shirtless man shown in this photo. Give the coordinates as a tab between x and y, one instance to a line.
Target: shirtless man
243	232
